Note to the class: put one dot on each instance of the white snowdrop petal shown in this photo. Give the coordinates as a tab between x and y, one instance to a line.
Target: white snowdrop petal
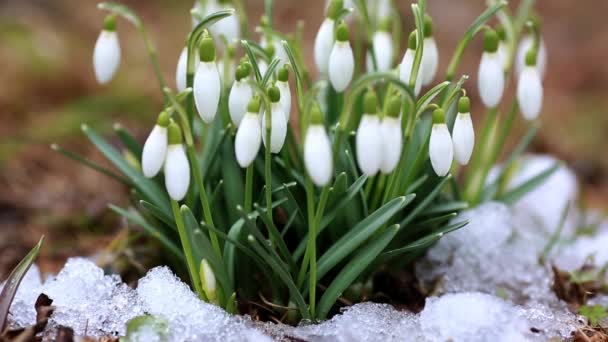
263	66
318	155
248	140
324	42
383	49
230	72
391	143
181	71
441	151
430	60
463	137
405	70
530	93
341	65
285	100
106	56
524	46
278	131
207	87
503	53
369	145
154	151
229	27
240	95
491	80
177	172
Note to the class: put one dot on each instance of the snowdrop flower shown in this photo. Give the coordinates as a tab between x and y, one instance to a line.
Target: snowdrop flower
382	44
207	84
228	27
181	72
491	75
198	8
177	168
441	151
341	60
525	45
208	281
324	41
240	94
278	49
227	76
249	135
530	88
283	85
503	47
390	133
369	139
317	150
407	64
278	129
463	134
106	56
430	55
155	147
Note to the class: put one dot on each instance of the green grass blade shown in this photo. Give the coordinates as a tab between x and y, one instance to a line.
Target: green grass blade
158	214
12	282
425	202
128	140
514	195
90	164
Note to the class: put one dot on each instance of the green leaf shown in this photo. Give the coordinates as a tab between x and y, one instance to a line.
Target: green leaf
354	268
427	98
123	11
278	240
156	325
128	140
270	71
12	283
514	195
594	313
149	229
354	238
158	214
425	202
247	45
147	187
446	208
90	164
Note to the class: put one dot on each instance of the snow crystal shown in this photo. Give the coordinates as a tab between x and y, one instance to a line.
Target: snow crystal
161	293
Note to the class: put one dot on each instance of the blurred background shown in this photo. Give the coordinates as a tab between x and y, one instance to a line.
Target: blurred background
47	89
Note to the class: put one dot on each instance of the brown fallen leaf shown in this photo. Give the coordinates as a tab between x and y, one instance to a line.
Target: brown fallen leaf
44	310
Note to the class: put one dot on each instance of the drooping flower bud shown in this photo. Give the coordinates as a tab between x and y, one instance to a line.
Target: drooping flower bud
207	84
392	137
441	150
369	140
526	43
382	44
278	123
240	94
283	85
249	135
430	55
155	147
407	64
208	281
106	56
463	134
324	41
177	168
341	60
530	88
491	80
317	149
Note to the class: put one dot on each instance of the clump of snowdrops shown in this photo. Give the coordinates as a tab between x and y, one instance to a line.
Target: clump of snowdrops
293	199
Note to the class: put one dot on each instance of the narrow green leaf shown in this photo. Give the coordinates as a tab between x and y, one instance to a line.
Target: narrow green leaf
90	164
446	208
12	282
158	214
149	229
514	195
425	202
128	140
270	71
354	268
247	45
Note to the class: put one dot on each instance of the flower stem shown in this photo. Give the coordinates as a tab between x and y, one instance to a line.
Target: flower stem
248	189
311	249
192	269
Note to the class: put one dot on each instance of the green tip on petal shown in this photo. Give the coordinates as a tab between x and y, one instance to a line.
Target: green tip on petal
412	41
316	117
270	49
385	25
464	105
274	94
207	49
438	116
164	119
109	23
254	105
174	133
370	102
283	74
335	6
342	33
490	41
502	34
393	108
231	51
531	57
428	26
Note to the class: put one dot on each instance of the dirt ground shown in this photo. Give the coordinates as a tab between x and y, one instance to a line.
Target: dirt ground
47	90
